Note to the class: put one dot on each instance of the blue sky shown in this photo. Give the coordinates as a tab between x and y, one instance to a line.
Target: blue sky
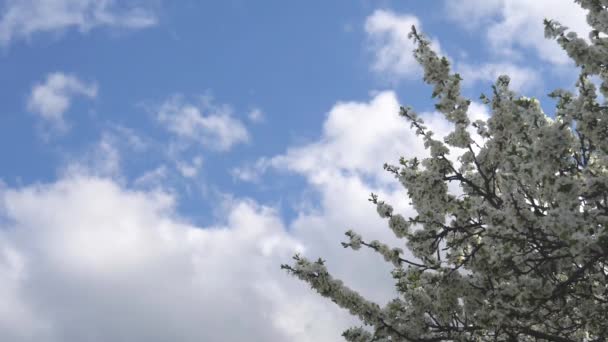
203	143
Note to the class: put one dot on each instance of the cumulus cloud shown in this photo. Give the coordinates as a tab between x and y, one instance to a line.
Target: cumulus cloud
85	259
342	167
88	258
359	137
392	49
53	97
216	128
20	19
517	24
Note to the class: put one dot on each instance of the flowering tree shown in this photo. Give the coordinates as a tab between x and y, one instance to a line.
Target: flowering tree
521	254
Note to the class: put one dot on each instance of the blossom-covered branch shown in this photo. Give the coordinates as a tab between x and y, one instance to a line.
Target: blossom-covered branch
522	253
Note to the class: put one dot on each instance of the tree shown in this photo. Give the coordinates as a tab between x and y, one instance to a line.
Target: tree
521	254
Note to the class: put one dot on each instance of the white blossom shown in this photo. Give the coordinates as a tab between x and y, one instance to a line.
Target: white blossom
384	210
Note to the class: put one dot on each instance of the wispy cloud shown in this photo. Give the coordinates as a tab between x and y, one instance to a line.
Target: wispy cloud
20	19
106	156
52	98
209	125
190	169
516	24
388	34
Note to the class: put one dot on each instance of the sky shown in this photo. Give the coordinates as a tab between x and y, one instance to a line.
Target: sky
161	159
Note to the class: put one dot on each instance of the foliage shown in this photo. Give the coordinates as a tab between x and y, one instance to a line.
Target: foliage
521	253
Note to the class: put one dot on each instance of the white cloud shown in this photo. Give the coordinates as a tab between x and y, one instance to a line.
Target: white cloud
251	173
85	259
360	137
17	319
104	158
477	111
472	13
52	98
20	19
342	167
190	170
104	262
216	129
519	24
392	49
357	139
522	78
